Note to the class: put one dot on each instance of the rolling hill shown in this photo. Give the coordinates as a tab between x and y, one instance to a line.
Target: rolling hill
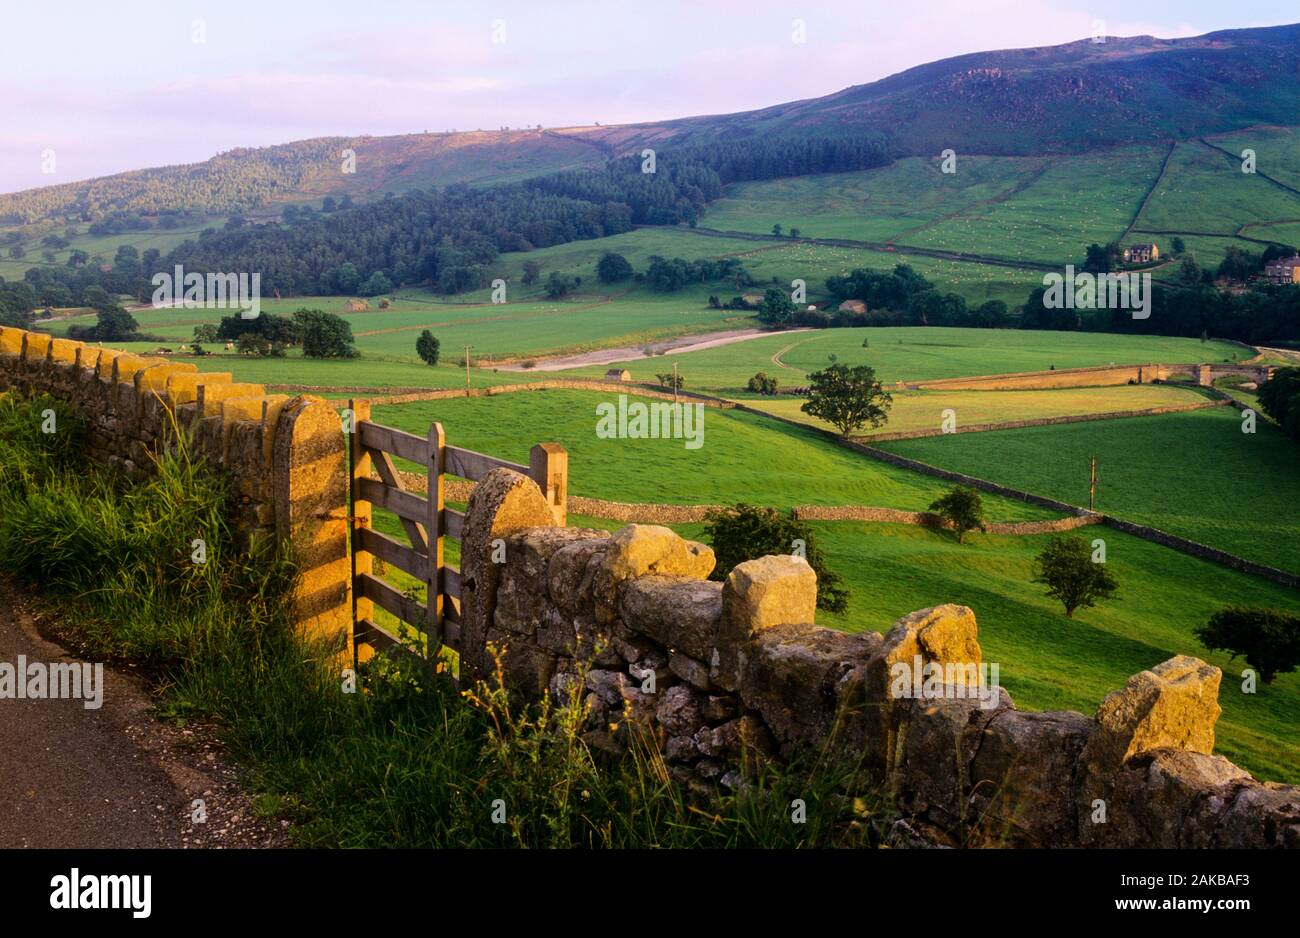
1049	100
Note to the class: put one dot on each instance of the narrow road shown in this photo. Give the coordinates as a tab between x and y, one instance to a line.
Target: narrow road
78	778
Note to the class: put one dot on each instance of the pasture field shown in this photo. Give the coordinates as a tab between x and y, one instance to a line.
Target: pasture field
924	410
919	353
891	203
1048	221
1046	661
1277	150
1049	662
744	457
1193	474
770	261
1020	208
1203	190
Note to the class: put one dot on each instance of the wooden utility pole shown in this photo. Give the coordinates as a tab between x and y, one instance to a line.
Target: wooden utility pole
1092	483
675	382
467	348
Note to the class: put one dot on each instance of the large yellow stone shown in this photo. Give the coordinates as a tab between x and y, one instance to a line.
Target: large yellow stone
211	395
184	388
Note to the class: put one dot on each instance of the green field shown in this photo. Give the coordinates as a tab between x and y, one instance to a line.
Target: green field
918	353
1204	190
1049	662
744	457
925	410
1194	474
888	204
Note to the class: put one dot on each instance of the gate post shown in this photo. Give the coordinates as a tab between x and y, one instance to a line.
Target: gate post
363	609
548	465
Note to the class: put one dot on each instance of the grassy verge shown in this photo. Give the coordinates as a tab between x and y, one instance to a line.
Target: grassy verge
405	760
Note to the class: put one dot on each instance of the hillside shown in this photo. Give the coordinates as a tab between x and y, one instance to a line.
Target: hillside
1058	99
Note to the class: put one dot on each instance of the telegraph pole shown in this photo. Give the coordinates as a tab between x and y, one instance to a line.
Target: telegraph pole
467	348
1092	483
675	382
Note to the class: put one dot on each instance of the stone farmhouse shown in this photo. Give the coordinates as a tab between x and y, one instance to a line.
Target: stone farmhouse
1283	270
1141	253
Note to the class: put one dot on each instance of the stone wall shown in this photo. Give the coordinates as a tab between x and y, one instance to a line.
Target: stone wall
285	457
726	675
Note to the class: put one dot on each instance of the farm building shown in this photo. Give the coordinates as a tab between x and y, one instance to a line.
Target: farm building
358	306
1141	253
853	306
618	374
1283	270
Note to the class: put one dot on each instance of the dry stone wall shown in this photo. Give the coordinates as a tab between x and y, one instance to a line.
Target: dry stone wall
285	457
724	676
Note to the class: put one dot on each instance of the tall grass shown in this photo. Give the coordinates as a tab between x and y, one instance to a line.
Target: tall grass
400	758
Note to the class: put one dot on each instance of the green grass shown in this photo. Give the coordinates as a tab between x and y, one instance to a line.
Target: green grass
1194	474
886	204
745	457
1048	662
1204	190
405	760
917	353
925	410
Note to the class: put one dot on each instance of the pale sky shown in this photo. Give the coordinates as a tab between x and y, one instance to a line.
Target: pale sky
116	86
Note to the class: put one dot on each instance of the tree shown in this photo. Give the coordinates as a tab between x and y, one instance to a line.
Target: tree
777	309
558	285
1268	639
428	347
17	252
1237	264
532	270
794	232
1189	272
744	533
1178	245
762	384
324	335
377	283
1279	397
252	343
848	398
1097	260
613	267
963	509
1066	568
669	380
206	333
776	229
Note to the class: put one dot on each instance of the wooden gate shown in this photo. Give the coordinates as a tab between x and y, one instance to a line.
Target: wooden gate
426	521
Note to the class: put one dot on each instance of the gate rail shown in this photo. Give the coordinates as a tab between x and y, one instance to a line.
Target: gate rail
426	521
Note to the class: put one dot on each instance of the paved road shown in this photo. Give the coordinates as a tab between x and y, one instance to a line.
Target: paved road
113	777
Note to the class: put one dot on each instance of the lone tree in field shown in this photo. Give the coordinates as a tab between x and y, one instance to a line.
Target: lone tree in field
324	335
1269	640
744	532
762	384
963	509
428	347
532	270
613	267
1067	569
848	398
